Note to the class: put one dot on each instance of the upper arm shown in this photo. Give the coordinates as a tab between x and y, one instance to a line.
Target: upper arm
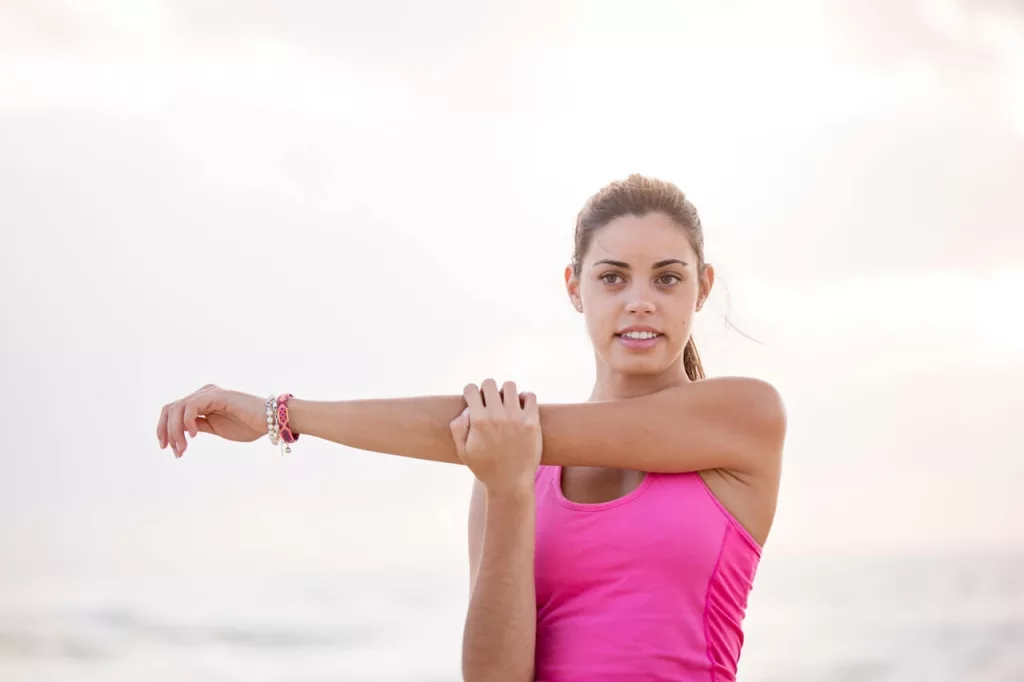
477	519
732	423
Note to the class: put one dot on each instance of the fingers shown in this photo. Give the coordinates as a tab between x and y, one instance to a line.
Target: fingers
492	399
190	415
176	428
530	408
460	432
161	427
180	415
510	397
474	400
203	426
488	399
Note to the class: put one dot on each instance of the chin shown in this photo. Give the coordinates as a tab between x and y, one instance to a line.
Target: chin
640	365
645	368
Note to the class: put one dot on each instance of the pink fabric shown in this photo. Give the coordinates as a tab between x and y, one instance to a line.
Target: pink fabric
650	586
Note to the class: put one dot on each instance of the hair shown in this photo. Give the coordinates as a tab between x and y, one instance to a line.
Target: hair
637	196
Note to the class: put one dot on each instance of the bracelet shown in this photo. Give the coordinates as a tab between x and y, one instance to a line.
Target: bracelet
273	428
283	426
279	429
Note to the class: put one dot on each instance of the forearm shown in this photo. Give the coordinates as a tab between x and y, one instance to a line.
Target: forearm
501	625
408	427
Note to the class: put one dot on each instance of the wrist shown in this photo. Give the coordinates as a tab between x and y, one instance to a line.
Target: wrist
299	415
513	492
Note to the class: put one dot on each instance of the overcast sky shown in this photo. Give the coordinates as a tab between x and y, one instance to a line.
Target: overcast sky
349	200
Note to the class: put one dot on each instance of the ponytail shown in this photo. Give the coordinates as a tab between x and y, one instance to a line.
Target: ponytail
691	361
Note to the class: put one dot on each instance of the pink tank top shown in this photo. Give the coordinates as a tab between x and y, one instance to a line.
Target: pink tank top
650	586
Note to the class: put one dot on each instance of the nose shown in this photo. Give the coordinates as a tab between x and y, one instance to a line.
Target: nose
640	306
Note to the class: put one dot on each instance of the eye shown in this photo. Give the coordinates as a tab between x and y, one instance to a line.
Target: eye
611	278
669	278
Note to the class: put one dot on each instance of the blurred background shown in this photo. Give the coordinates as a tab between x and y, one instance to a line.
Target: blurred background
349	200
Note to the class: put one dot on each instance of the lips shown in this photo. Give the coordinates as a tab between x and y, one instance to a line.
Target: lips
638	333
637	339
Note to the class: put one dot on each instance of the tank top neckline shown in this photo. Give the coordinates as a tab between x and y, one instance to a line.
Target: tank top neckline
556	484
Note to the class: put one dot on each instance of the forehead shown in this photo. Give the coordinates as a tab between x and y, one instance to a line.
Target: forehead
641	240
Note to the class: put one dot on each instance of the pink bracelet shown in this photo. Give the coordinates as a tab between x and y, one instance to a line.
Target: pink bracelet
285	427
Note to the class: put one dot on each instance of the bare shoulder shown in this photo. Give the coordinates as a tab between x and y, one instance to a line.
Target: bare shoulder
747	392
747	405
756	408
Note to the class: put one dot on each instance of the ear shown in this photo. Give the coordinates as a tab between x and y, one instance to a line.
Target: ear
572	287
706	282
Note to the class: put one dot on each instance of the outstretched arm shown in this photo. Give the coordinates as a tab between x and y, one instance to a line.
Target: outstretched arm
729	423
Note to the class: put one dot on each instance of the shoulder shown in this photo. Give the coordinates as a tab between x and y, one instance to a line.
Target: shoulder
730	394
752	397
750	408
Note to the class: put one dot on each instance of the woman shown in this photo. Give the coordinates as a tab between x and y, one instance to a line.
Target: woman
615	539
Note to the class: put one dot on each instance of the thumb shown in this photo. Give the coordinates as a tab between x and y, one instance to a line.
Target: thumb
460	431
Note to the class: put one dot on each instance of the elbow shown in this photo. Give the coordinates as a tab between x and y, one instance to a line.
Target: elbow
759	406
755	424
772	413
767	426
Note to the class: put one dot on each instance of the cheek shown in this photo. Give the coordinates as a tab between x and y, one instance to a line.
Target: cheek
599	318
601	315
678	318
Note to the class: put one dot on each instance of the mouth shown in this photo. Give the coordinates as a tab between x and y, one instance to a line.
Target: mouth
638	334
639	339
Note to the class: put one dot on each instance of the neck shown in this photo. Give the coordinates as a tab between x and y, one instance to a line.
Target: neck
612	385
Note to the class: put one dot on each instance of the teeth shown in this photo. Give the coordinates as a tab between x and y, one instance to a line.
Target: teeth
639	335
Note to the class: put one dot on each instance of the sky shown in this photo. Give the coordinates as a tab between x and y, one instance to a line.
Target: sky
377	200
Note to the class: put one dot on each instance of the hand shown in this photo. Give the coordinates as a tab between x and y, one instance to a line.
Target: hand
228	414
498	435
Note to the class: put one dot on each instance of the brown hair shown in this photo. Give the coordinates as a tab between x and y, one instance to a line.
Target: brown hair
638	195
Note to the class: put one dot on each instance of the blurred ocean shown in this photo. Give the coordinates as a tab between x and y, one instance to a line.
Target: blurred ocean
912	619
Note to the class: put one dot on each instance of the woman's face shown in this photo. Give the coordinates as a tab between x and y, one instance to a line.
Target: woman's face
638	289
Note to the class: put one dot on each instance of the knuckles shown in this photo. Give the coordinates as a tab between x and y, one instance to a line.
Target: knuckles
494	417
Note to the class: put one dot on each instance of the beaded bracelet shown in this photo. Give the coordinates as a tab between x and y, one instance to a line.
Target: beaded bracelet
273	428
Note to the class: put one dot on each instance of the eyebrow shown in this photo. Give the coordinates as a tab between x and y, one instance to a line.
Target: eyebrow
625	266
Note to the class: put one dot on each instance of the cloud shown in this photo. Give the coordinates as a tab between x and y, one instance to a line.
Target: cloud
974	50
